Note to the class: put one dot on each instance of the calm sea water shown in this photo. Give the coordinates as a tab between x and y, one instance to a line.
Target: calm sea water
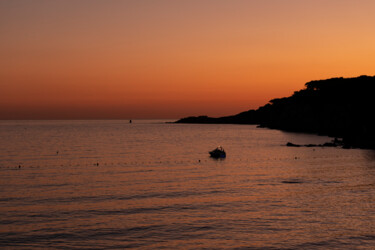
111	184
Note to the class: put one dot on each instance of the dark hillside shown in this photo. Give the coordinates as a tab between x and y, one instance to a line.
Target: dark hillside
338	107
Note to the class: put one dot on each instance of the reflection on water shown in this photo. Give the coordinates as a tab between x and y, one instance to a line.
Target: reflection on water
370	156
148	184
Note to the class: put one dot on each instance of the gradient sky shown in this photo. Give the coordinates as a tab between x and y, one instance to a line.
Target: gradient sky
168	59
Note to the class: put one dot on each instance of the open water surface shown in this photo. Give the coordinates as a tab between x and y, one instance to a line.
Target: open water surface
111	184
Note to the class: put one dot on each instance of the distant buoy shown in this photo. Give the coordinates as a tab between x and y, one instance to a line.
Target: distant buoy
130	121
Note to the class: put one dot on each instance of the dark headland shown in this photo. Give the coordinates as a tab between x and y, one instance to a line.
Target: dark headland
337	107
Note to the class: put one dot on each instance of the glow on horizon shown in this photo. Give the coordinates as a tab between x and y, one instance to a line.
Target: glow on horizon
170	59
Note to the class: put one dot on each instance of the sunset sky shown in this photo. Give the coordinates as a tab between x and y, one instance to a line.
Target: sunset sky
75	59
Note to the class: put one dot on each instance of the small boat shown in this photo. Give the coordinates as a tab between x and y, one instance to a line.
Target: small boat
218	152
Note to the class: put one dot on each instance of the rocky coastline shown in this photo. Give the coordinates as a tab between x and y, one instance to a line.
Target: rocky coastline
337	107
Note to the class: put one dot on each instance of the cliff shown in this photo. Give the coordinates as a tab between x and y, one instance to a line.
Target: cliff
337	107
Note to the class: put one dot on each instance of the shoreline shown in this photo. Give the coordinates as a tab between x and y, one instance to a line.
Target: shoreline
336	107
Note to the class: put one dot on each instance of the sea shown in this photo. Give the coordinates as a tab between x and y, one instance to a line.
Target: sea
149	184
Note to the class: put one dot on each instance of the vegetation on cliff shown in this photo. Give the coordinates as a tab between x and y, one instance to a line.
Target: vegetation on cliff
337	107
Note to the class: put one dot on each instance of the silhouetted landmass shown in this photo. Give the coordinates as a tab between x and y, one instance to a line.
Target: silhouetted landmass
337	107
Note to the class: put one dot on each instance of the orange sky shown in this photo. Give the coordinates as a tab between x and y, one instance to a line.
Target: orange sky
168	59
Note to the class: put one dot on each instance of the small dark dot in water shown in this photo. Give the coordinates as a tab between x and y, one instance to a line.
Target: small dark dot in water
19	166
199	160
57	152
